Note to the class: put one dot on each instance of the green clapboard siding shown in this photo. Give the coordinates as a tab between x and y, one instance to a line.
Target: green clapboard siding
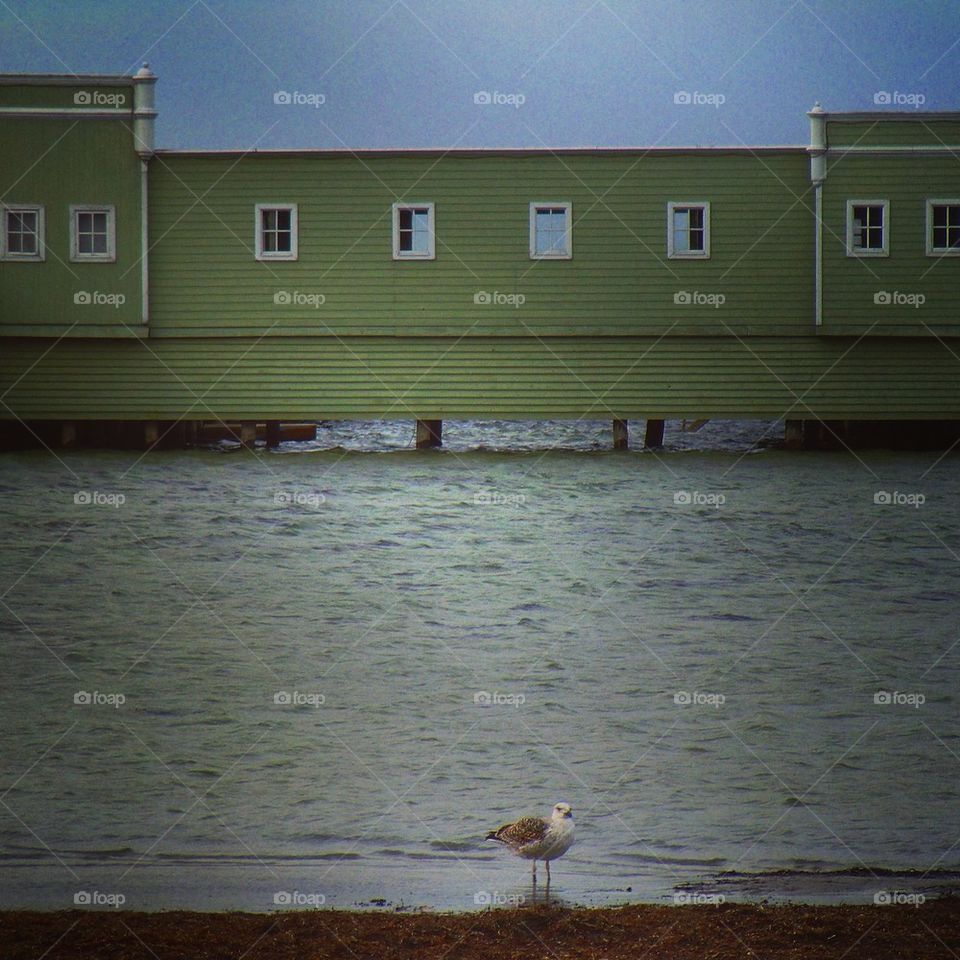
850	283
205	280
57	163
881	132
422	377
81	95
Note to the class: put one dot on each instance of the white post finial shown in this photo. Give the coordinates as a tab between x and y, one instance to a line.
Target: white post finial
143	110
818	142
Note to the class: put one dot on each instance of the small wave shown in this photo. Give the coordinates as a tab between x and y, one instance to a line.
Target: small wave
23	852
410	855
834	871
453	844
705	864
225	858
730	617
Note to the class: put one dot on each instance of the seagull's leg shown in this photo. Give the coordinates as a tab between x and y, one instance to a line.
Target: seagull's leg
547	862
534	872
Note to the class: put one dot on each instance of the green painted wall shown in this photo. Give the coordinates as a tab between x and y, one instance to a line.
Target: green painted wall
850	283
599	335
878	132
94	94
58	163
511	377
205	280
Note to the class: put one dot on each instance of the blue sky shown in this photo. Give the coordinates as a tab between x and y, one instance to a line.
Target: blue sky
406	73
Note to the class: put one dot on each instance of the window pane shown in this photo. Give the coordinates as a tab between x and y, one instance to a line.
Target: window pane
85	243
868	227
14	241
550	230
542	231
22	231
681	233
414	230
946	226
100	243
276	230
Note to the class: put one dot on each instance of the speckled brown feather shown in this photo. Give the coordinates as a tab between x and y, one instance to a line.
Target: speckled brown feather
521	832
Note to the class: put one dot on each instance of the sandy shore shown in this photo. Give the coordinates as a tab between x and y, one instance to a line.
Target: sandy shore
678	933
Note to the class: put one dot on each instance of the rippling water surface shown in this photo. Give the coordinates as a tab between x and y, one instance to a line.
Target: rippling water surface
342	663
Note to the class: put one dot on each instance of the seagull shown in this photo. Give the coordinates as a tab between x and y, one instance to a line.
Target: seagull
538	838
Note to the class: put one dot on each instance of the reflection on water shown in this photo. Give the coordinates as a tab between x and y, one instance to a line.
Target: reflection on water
339	669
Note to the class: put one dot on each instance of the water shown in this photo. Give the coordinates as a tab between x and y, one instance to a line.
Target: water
465	636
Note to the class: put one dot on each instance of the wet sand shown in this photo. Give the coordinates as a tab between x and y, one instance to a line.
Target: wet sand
720	932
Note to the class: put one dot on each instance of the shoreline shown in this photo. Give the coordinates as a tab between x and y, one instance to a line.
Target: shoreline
727	931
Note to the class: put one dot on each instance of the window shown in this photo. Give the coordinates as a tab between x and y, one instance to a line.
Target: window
688	230
92	233
550	235
22	237
413	231
943	227
275	232
868	228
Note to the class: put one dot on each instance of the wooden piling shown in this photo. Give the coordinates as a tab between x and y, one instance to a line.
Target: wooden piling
793	434
429	434
151	433
653	437
621	435
248	433
273	434
68	433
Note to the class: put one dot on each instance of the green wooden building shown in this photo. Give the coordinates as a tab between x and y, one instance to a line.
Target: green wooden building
157	287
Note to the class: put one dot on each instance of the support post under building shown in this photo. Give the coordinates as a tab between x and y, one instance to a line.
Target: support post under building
621	435
654	434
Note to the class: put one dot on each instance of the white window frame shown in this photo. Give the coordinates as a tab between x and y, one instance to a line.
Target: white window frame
111	211
672	252
884	251
431	252
272	255
41	253
567	252
933	251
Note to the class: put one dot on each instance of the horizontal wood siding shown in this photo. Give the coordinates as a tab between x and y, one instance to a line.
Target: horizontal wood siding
879	131
850	283
57	163
513	377
205	280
